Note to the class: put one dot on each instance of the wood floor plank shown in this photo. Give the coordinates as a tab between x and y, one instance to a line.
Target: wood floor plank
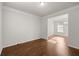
39	47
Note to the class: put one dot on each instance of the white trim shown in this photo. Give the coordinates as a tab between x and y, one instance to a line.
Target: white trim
1	51
65	17
61	12
19	11
73	46
20	42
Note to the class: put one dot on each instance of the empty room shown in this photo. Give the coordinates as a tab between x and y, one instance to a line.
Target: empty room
39	28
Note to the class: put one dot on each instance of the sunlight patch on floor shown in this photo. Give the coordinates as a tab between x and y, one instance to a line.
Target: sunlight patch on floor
58	44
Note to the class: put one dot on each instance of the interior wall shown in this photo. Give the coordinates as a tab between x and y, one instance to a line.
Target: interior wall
73	22
50	27
44	27
0	27
19	27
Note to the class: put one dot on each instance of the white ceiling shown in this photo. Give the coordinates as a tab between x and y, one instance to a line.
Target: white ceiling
37	9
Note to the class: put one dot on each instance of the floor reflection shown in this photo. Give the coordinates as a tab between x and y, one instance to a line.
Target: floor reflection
57	46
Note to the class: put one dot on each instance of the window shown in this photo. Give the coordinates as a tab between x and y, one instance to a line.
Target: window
60	28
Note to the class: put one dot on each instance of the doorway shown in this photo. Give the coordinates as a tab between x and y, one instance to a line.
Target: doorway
58	34
58	25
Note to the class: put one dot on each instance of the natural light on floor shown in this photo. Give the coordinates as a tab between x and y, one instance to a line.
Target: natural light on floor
59	43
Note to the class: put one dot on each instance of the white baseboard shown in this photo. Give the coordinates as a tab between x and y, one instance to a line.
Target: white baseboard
73	46
18	43
1	51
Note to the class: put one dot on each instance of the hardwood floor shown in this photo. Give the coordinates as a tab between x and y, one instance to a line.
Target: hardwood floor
74	51
32	48
40	47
